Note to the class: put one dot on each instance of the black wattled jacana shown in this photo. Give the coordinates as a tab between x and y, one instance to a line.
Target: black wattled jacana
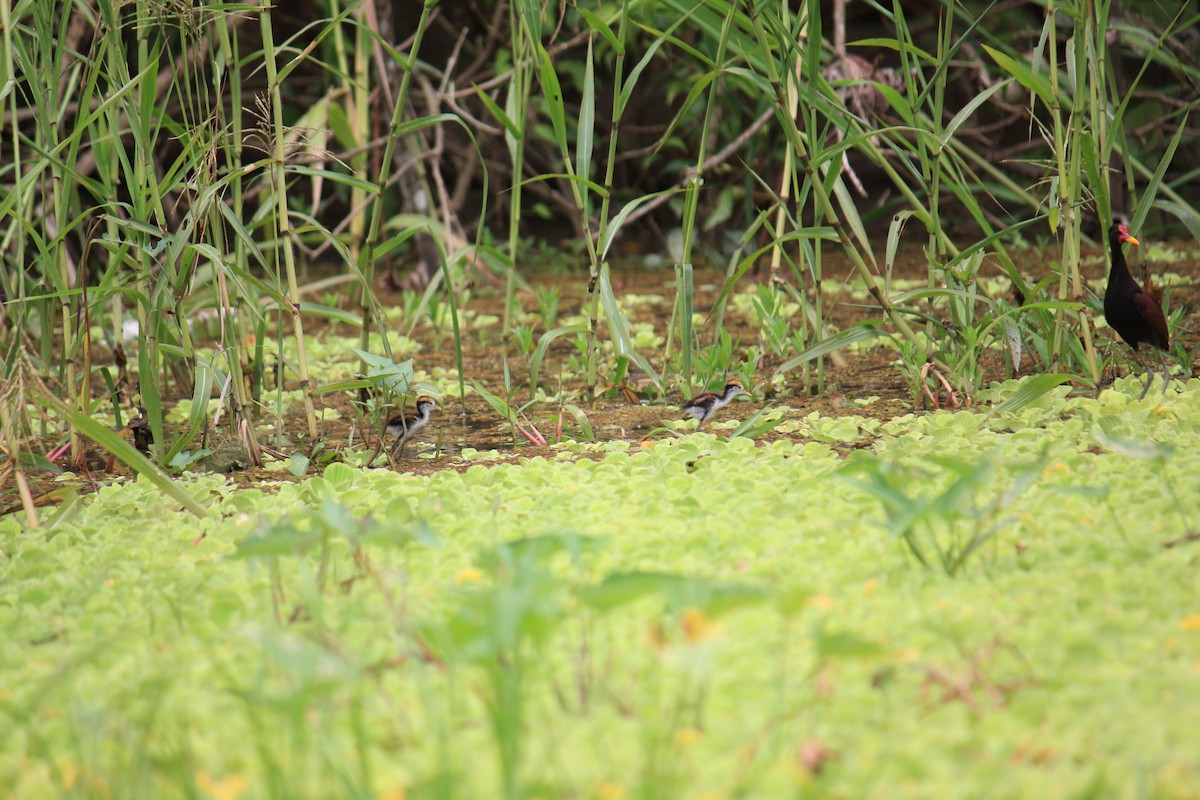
703	406
1131	312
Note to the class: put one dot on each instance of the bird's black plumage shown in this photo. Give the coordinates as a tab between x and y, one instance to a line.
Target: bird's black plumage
1129	310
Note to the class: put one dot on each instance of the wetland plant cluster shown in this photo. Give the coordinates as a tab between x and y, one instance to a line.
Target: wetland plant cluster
646	632
235	225
221	180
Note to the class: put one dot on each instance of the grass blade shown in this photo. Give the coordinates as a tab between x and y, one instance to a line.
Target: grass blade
1031	389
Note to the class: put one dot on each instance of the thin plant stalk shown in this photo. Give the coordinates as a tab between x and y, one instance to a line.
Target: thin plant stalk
789	176
824	204
807	59
15	158
236	339
618	109
516	108
1068	144
283	220
360	118
367	262
684	290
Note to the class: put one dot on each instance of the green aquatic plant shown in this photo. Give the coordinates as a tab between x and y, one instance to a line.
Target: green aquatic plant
944	527
453	630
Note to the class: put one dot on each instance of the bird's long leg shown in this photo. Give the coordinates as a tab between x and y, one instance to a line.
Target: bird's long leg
1146	384
1149	373
1162	357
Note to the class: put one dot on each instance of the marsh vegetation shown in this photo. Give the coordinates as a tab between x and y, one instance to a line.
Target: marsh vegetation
938	548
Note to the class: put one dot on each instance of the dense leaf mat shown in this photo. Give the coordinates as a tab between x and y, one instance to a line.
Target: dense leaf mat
697	618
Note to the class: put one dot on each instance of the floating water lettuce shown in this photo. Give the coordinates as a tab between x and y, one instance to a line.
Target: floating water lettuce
631	624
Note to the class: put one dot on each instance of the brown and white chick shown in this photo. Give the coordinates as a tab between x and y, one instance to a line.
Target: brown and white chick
406	424
703	406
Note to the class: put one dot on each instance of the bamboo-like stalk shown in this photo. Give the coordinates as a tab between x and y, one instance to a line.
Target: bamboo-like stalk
284	225
59	203
1062	200
788	170
684	290
606	201
825	207
232	334
146	206
817	248
360	118
367	258
517	109
1091	45
577	182
15	159
1070	189
1068	144
557	112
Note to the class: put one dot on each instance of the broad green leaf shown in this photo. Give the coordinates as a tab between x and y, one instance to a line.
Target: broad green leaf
499	405
497	112
1023	74
610	234
586	128
756	425
122	449
1150	191
966	111
552	92
539	352
1031	389
859	333
597	24
619	330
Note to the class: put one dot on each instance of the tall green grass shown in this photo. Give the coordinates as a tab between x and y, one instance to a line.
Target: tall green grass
158	162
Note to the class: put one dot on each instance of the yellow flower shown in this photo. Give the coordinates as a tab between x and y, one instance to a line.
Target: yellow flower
231	787
1057	468
469	575
70	773
697	626
687	736
607	790
1190	623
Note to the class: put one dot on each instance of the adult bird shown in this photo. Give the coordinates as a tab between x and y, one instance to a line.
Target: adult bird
1131	311
406	424
703	406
